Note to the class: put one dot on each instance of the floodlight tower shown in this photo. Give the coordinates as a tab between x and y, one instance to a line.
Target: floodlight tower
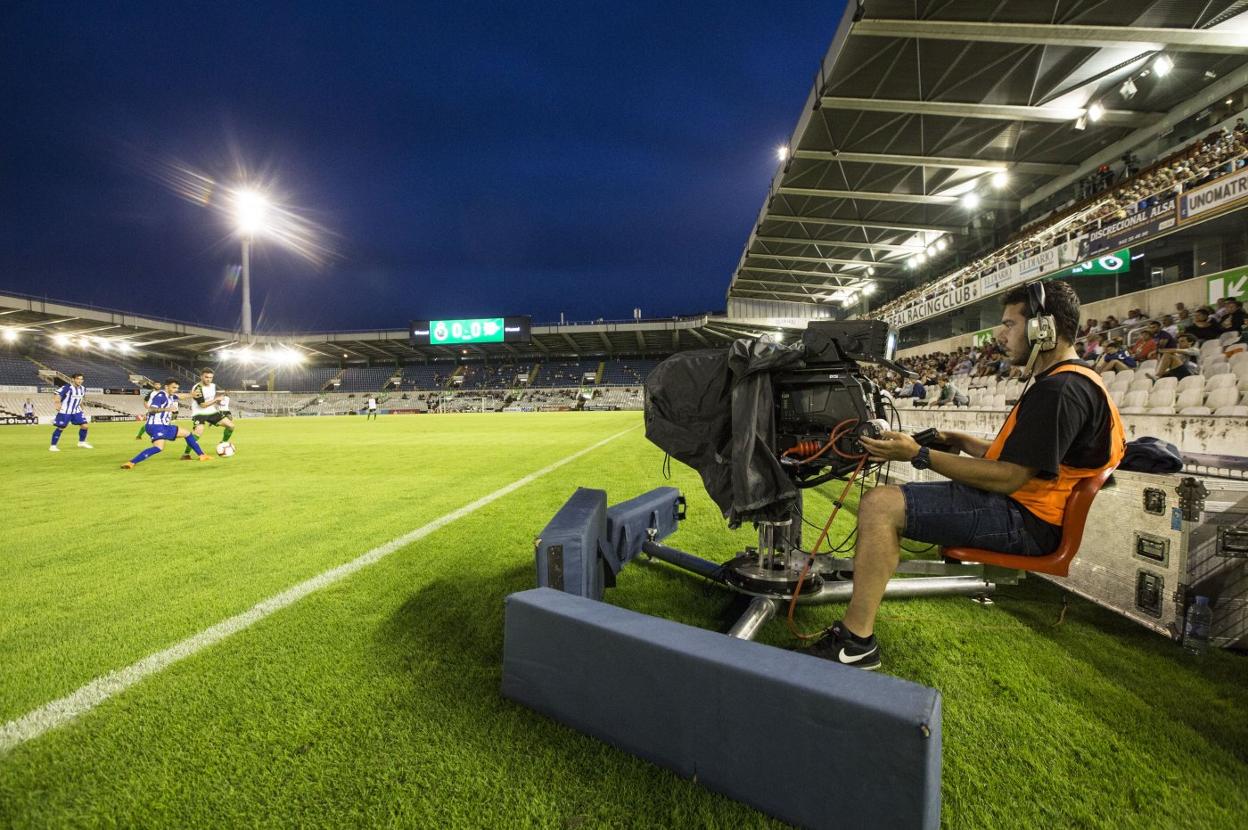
251	211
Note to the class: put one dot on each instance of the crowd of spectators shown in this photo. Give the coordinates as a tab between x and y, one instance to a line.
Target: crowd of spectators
1107	195
1173	340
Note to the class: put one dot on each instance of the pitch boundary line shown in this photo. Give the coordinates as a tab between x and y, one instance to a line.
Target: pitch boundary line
60	712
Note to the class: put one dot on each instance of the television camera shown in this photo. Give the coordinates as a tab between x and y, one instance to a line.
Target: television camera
761	422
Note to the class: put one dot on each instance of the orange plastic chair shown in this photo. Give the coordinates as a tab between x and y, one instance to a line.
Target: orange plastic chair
1058	562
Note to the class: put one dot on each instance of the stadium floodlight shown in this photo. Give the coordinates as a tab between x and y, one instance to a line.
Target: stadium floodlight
125	347
10	335
782	153
1127	90
1096	111
1081	123
1163	65
942	244
870	270
930	250
251	216
920	257
105	345
971	200
868	289
61	340
911	264
1000	179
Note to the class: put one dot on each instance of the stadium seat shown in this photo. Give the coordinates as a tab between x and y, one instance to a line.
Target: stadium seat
1116	395
1107	377
1161	410
1216	367
1195	410
1236	359
1228	338
1141	384
1136	399
998	401
1239	411
1220	382
1166	383
1147	367
1221	397
1058	562
1161	398
1132	410
1239	370
1125	376
1190	397
1192	382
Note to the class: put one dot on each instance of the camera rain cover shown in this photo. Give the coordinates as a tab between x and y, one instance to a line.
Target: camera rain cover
714	410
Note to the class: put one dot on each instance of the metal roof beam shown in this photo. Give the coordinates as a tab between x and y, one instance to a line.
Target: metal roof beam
787	257
885	196
1033	167
835	275
1207	41
816	287
860	223
1003	112
770	292
841	243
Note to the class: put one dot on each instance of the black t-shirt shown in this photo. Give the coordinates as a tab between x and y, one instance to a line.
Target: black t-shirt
1237	320
1062	419
1208	331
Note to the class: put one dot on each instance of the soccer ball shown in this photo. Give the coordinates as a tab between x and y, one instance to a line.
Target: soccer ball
225	449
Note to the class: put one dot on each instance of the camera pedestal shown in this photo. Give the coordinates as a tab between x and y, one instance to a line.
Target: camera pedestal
770	574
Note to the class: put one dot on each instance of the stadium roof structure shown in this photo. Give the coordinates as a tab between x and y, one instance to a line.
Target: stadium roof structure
110	329
918	104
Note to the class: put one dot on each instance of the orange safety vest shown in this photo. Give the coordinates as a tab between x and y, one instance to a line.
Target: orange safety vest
1046	497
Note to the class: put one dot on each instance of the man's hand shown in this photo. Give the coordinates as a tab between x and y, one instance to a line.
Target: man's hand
891	446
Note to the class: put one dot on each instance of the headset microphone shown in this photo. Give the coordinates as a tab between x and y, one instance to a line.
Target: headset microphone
1041	327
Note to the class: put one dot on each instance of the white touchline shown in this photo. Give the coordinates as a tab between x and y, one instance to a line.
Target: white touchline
62	711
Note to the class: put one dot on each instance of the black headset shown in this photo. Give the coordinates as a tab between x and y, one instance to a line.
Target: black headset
1041	327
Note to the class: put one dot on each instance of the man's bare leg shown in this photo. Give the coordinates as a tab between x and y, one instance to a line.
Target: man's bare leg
881	520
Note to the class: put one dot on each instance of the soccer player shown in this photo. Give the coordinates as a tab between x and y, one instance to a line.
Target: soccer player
372	408
69	411
205	409
160	411
142	419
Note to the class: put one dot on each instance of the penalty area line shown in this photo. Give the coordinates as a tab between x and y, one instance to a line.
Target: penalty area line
60	712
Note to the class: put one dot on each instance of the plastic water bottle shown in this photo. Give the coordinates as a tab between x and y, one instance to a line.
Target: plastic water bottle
1196	631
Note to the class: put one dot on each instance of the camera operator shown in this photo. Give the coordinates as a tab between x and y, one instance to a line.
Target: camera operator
1008	495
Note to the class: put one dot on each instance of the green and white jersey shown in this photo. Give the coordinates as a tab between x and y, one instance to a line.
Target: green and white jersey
224	406
203	392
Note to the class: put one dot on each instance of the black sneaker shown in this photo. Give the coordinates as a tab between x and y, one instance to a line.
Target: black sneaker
840	646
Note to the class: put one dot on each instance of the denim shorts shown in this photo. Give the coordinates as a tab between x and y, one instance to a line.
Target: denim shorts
955	515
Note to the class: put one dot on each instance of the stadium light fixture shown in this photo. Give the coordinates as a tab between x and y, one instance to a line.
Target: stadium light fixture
911	264
942	244
125	347
870	270
10	335
782	153
251	216
1000	179
105	345
930	250
1096	111
868	289
1127	90
1163	65
60	340
1081	123
971	200
920	257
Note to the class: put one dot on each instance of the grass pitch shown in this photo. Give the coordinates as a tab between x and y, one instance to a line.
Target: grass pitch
375	701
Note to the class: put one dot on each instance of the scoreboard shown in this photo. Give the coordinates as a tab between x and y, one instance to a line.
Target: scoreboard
471	330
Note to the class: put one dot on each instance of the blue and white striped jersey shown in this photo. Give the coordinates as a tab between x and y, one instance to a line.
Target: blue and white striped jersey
160	400
71	399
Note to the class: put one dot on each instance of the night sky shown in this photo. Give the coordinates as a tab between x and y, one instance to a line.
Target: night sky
468	158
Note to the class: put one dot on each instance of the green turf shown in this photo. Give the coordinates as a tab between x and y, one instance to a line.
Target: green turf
375	702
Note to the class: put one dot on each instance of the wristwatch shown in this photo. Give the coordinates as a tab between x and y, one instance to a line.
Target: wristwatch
922	460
